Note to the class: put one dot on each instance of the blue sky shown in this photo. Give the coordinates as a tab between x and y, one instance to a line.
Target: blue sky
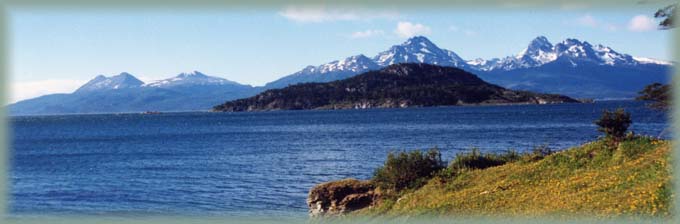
58	50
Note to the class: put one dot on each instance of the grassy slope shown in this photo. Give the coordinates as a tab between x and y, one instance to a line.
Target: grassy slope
633	178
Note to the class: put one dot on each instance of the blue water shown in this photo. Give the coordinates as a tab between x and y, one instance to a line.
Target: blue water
259	163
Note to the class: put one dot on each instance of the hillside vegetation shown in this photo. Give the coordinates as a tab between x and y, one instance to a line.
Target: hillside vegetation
599	178
395	86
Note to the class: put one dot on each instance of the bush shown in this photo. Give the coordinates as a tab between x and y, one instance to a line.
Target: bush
477	160
614	124
408	170
659	94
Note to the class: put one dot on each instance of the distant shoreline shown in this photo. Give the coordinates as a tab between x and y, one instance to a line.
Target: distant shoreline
248	112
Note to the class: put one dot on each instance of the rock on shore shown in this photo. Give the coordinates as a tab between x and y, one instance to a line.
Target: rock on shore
340	197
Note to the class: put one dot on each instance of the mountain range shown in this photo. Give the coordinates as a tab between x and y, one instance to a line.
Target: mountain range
125	93
395	86
572	67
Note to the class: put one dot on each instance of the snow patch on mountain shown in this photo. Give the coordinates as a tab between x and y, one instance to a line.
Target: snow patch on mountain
644	60
418	49
121	81
190	78
540	51
355	64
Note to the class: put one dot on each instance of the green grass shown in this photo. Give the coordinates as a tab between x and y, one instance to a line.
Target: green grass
598	178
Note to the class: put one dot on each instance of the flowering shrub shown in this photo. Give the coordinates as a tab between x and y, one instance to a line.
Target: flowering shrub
614	124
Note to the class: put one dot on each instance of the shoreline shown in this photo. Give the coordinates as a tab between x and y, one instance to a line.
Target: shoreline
464	192
310	110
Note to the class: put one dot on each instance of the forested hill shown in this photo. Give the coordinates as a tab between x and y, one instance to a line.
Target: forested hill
395	86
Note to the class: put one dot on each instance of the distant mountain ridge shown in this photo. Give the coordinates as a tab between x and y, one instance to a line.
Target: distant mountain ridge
540	51
122	81
125	93
191	78
395	86
571	67
585	64
335	70
417	49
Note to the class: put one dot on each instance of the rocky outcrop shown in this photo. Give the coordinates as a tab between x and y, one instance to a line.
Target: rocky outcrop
340	197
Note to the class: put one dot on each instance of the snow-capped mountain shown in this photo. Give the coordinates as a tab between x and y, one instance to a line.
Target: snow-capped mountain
190	78
482	63
571	67
575	68
122	81
335	70
540	55
125	93
611	57
643	60
418	49
540	51
575	51
357	63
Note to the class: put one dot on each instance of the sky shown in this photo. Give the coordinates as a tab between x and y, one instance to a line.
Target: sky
56	51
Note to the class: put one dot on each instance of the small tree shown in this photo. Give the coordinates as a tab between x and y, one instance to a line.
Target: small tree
408	169
614	124
659	95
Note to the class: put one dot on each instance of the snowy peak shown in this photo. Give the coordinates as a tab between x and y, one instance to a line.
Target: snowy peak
643	60
121	81
538	44
540	51
575	49
611	57
419	42
357	63
127	81
194	74
480	62
191	78
537	48
418	49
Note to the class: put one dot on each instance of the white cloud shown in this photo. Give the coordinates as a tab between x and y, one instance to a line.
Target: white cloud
641	23
319	13
408	29
30	89
366	34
